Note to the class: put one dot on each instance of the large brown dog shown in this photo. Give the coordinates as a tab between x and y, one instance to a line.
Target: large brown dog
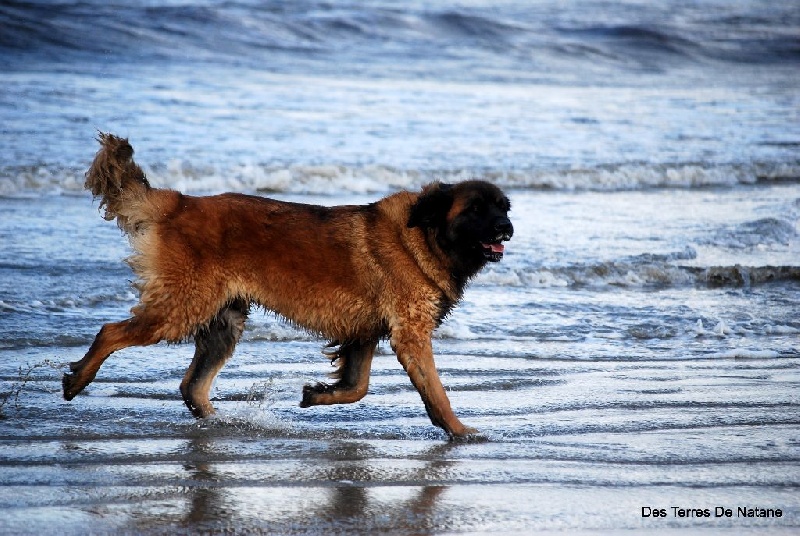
353	274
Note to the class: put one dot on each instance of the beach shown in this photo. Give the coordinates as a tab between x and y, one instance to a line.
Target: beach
632	364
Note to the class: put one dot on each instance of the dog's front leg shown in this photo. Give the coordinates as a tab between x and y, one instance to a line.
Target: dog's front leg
136	331
415	353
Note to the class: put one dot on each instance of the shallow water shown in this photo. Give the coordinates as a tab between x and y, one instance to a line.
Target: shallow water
605	370
637	348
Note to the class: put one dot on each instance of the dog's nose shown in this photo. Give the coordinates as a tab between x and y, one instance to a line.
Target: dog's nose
503	226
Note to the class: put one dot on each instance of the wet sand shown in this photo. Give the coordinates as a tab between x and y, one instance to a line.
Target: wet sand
127	458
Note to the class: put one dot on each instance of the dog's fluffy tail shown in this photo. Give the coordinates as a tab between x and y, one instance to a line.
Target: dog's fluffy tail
119	183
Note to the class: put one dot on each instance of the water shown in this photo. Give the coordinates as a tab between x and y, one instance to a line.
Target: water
638	346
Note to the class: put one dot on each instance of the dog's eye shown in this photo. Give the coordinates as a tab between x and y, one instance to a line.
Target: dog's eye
476	207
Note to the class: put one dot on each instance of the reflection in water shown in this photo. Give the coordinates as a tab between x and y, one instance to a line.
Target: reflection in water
206	502
341	498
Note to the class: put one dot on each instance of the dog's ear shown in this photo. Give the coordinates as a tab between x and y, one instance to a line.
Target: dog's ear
432	206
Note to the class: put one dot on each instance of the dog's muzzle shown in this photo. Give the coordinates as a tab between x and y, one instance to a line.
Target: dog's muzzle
493	249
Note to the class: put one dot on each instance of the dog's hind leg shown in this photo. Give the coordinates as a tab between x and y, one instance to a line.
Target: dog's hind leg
136	331
214	344
355	361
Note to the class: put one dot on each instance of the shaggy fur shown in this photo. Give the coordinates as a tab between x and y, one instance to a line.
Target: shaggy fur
352	274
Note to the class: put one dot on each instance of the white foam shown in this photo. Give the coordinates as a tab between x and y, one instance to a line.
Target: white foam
782	330
453	329
743	353
640	176
722	329
699	329
251	417
102	390
273	330
499	278
36	306
332	178
323	179
543	279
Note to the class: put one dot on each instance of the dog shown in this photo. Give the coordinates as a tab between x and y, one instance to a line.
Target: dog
355	275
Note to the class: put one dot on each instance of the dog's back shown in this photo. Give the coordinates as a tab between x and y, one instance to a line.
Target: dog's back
296	260
192	255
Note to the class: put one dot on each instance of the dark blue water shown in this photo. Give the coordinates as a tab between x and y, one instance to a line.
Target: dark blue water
477	41
281	95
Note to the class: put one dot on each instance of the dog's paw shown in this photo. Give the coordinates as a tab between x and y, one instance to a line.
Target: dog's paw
310	393
468	435
70	384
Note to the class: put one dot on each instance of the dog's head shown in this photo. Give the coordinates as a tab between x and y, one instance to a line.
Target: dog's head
469	221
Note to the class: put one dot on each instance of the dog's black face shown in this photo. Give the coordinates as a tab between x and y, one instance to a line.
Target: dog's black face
470	222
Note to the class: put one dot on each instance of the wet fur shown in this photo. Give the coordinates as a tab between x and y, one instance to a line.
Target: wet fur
352	274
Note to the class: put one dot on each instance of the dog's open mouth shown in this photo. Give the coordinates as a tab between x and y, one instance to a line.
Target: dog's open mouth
493	251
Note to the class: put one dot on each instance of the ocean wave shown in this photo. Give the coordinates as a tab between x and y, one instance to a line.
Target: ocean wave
336	179
66	304
622	274
272	329
745	276
744	353
521	39
766	231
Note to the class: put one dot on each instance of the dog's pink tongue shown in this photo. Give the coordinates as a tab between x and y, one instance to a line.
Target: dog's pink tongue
496	248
